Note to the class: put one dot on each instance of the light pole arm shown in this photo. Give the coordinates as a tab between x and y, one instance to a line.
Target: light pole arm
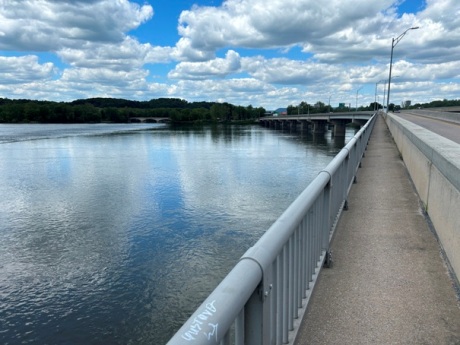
399	38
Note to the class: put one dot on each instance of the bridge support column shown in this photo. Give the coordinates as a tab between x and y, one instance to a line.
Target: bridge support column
339	128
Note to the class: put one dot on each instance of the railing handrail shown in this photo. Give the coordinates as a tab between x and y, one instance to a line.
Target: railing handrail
294	245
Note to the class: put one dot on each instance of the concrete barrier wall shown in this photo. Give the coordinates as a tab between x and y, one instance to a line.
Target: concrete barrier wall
433	163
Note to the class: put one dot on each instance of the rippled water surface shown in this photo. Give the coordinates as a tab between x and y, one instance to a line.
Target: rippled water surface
114	234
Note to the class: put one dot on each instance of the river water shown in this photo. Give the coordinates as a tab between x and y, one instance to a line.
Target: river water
114	234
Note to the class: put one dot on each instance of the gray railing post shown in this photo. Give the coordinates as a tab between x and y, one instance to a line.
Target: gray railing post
326	207
253	313
267	302
285	264
344	185
326	222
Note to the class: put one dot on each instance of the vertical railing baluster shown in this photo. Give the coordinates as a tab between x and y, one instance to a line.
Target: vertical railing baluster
285	293
253	313
299	269
226	339
319	231
291	284
239	328
315	234
336	196
304	258
311	251
296	274
326	215
279	298
307	249
274	301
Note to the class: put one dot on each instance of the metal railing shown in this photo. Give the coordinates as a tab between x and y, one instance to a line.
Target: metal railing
263	298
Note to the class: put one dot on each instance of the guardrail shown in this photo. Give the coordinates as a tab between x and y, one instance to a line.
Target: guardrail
438	114
263	298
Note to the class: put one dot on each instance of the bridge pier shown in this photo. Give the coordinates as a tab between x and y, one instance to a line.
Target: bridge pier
339	128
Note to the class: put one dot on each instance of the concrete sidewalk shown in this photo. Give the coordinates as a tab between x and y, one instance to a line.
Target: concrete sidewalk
389	283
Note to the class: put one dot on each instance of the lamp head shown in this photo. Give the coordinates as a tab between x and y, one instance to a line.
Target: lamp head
415	28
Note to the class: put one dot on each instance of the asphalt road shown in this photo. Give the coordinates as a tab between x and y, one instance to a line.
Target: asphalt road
449	130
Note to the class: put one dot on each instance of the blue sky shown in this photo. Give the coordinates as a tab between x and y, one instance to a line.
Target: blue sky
270	53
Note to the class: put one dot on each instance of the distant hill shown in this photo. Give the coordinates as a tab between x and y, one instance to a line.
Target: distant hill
170	103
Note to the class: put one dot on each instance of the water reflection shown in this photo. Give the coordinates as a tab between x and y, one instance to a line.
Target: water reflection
338	141
117	238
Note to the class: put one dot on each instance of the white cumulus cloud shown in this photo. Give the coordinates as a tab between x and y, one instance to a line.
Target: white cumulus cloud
23	69
209	69
54	25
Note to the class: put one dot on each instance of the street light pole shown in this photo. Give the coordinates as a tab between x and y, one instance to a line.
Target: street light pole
375	100
394	42
356	109
384	93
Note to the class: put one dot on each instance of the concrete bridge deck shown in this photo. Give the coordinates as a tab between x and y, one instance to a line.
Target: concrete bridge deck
389	283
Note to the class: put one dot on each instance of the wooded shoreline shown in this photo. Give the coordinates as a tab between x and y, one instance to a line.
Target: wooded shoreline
96	110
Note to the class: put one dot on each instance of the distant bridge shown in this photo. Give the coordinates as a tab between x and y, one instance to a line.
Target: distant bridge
149	119
317	121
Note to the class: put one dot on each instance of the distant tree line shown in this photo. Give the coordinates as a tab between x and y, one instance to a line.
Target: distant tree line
437	104
122	110
432	104
305	108
320	107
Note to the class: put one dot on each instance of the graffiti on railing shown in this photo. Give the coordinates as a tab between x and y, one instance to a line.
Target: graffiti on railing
199	324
